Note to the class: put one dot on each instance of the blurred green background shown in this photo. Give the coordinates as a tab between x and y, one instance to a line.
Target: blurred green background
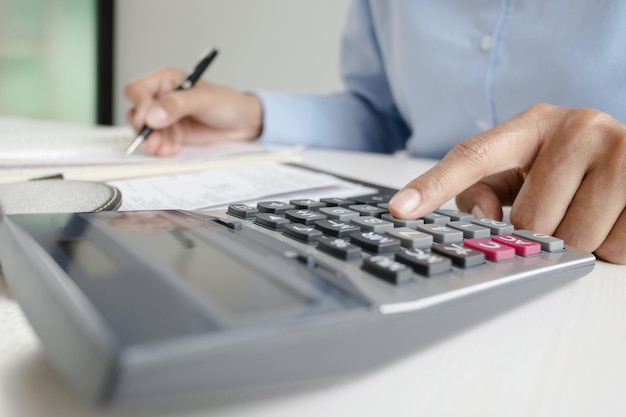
48	59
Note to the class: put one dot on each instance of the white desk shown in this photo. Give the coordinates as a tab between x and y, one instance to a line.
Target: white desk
563	354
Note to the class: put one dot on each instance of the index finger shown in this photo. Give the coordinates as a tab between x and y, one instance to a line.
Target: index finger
512	144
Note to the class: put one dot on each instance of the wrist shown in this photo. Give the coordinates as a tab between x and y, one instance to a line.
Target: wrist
253	116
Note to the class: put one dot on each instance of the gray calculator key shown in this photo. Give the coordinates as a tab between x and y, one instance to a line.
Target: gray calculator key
411	238
339	248
436	218
309	204
336	228
470	230
368	210
456	215
402	222
337	202
372	199
339	213
460	255
424	261
306	234
304	216
271	221
276	207
442	233
375	242
387	269
548	243
373	224
497	227
243	211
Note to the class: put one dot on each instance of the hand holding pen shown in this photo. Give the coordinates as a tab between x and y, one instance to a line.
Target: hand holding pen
204	114
189	81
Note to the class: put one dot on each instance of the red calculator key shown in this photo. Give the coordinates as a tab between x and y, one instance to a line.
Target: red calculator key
494	251
522	246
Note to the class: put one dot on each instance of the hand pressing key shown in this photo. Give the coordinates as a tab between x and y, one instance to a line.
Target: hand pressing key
563	171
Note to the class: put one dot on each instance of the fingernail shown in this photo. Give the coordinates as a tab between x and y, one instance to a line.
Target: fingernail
157	116
406	201
478	212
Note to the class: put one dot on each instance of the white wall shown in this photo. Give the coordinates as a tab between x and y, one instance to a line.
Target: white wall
280	45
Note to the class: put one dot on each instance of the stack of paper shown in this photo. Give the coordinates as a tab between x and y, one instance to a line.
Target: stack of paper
34	149
244	184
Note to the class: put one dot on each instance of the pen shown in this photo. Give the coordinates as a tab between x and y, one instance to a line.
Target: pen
188	83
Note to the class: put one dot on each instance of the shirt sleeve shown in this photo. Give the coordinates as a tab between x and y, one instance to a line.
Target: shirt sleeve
364	117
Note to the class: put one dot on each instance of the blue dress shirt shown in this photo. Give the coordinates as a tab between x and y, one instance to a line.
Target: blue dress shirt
426	74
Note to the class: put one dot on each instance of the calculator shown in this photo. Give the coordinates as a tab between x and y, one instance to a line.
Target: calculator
152	305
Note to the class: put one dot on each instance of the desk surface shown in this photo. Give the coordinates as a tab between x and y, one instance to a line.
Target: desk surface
563	354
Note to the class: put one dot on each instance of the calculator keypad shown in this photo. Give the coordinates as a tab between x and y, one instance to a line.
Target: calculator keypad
361	229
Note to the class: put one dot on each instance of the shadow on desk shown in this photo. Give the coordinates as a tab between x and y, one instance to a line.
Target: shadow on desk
44	394
32	378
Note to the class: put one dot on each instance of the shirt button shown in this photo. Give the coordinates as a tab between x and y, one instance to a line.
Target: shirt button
486	43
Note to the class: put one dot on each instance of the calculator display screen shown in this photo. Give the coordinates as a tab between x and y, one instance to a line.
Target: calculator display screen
152	277
228	279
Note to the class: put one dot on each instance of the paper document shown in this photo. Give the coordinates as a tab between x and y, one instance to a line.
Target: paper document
32	149
218	187
95	145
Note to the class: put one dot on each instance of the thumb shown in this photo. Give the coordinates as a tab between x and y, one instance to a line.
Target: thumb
486	198
178	105
481	201
158	118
